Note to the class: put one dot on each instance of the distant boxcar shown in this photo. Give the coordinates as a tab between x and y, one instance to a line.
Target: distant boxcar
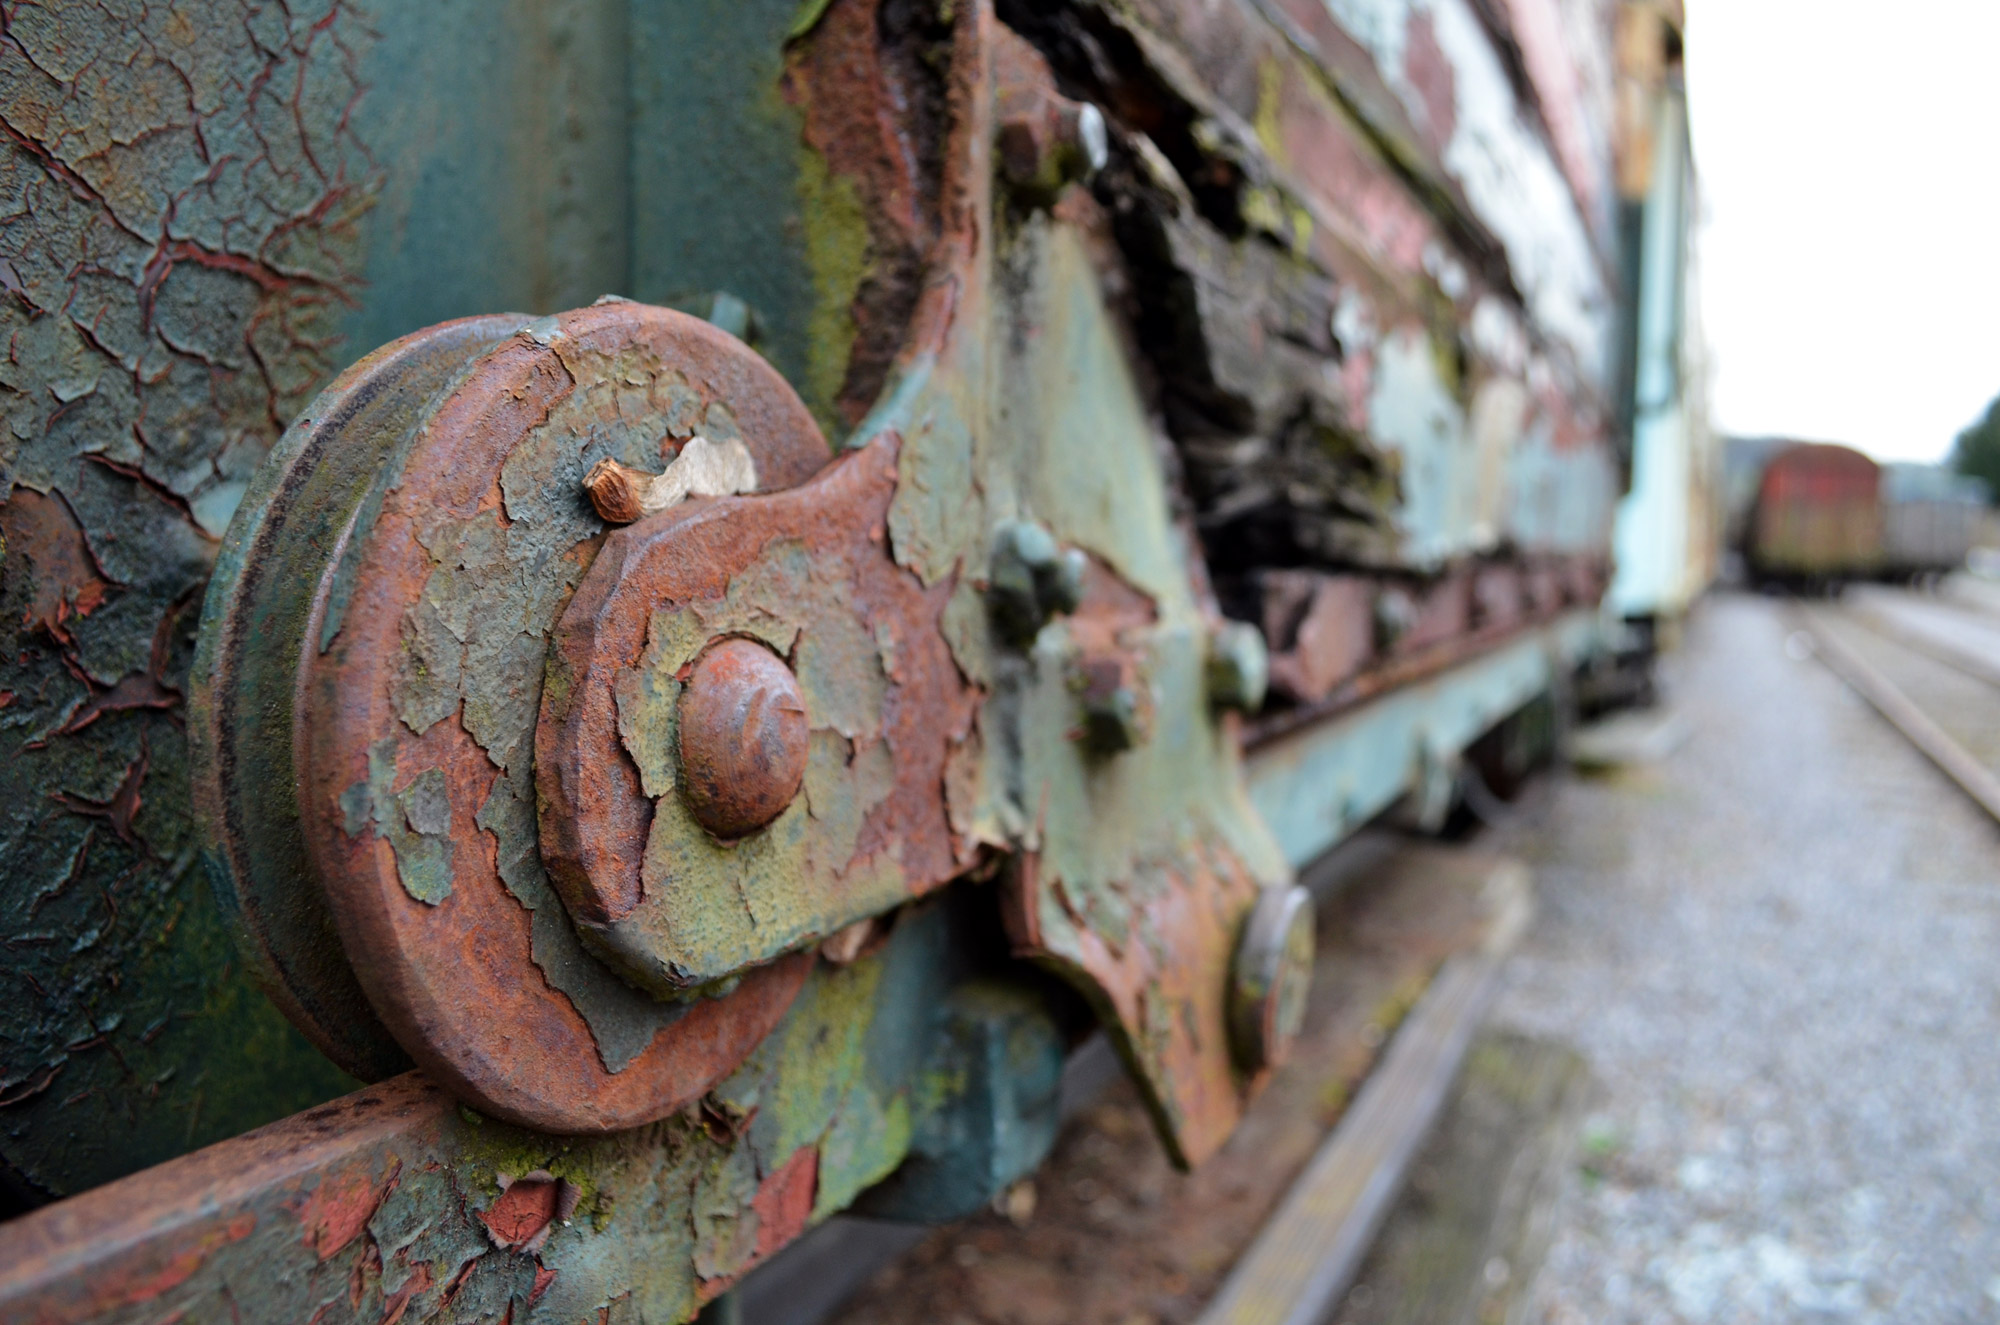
1818	516
1931	518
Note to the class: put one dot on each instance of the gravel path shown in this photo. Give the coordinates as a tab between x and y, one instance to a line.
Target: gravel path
1780	952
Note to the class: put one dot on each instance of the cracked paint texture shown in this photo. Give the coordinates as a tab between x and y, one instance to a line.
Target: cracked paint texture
180	202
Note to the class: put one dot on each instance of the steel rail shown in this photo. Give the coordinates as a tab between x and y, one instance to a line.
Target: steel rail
1972	777
1883	623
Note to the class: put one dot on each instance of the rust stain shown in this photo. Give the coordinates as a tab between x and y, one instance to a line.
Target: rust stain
122	806
335	1212
870	87
784	1200
149	689
1168	992
41	528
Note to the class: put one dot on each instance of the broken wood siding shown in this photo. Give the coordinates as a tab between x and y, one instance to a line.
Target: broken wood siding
1371	266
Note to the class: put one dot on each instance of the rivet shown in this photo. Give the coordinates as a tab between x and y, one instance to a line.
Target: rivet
1117	712
743	738
1030	579
1271	977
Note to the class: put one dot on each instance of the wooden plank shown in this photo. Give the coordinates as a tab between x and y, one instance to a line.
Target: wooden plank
1306	1257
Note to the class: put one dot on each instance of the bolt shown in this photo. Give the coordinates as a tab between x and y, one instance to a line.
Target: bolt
1047	141
743	738
1239	667
1031	579
1117	714
1270	977
1395	613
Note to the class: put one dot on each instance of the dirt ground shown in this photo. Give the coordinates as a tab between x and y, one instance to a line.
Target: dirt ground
1107	1233
1778	951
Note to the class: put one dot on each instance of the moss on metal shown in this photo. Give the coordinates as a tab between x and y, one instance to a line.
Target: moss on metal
836	251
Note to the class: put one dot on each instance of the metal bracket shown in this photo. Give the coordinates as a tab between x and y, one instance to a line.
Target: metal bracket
744	724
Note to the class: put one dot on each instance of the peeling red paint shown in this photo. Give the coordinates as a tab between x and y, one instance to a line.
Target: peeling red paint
334	1213
1429	71
139	1285
784	1200
67	581
420	1281
526	1209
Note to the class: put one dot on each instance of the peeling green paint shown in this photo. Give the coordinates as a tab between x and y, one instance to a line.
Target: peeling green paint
712	908
416	821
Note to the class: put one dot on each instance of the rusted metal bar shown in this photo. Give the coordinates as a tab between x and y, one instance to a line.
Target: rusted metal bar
1972	777
396	1203
1393	674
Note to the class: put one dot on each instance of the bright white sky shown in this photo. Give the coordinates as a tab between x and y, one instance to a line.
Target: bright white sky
1849	158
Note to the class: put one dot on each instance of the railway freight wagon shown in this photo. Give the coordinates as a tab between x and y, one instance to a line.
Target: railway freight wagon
1931	518
1668	536
694	592
1826	514
1818	516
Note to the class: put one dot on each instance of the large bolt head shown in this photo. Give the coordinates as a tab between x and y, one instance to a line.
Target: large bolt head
1271	977
1117	706
1030	579
1239	667
743	738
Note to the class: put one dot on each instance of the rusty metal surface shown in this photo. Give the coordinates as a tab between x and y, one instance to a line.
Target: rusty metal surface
183	233
410	582
1107	1231
303	501
806	573
1339	638
398	1204
1098	756
1289	285
743	738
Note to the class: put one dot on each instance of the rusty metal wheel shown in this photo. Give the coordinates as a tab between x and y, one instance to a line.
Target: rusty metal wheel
368	702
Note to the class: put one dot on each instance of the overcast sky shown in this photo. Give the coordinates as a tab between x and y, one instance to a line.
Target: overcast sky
1849	157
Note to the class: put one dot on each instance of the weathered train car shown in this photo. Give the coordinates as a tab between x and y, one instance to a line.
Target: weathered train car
1818	515
730	744
1667	539
1931	518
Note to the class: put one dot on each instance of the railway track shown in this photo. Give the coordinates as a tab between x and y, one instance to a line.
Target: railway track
1930	665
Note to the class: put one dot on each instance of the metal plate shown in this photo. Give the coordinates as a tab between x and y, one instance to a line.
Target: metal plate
807	574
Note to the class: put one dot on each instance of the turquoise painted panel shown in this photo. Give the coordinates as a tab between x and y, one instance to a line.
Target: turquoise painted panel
1316	787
